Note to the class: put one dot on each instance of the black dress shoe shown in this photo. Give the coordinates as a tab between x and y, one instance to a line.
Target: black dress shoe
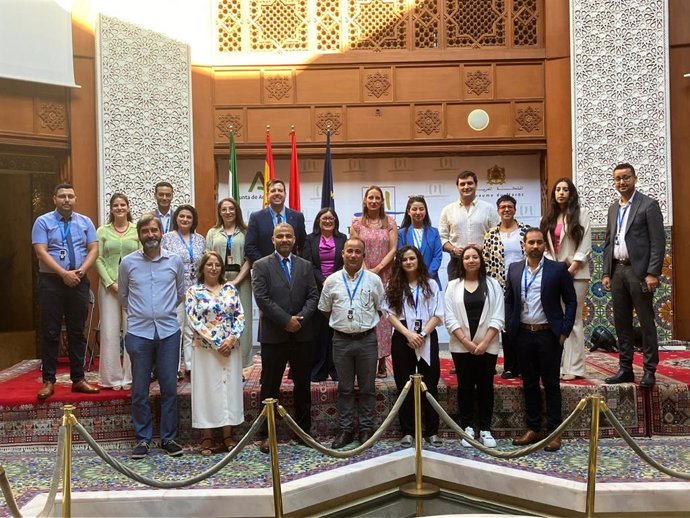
264	447
507	375
364	436
343	439
622	376
648	380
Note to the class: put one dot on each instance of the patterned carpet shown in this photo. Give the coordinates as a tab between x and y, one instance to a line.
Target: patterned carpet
29	469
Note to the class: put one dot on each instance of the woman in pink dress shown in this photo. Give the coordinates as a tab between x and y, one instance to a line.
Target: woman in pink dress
380	235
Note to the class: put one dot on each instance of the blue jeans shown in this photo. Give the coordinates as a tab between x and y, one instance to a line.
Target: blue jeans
166	353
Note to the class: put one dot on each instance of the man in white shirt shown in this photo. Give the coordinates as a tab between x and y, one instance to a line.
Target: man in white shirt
465	222
351	299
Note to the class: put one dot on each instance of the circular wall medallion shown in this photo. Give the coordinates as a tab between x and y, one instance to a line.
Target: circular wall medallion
478	120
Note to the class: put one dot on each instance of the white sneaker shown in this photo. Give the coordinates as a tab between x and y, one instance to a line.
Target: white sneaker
469	431
487	439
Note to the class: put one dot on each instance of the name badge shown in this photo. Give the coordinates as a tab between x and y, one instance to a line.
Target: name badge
350	314
525	307
418	325
63	254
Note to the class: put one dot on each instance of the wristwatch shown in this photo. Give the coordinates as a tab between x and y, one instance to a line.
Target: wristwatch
423	334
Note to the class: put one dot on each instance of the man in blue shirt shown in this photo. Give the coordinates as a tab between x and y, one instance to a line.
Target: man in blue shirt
151	285
66	245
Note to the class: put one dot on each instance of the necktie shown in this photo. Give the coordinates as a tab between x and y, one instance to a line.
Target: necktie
279	218
286	262
70	247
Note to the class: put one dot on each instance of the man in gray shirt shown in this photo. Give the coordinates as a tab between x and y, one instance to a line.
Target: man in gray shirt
351	299
151	285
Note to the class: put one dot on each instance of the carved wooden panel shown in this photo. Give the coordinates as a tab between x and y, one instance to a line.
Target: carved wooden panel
278	87
477	82
329	117
525	23
378	84
227	119
377	25
51	117
278	25
476	23
427	83
529	119
229	26
428	121
328	24
426	22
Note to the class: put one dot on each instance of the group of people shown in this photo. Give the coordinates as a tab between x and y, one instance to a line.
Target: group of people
336	305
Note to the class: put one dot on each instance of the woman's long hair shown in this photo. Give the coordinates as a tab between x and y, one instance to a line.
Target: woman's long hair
398	290
239	220
202	264
462	273
382	208
571	217
407	220
118	196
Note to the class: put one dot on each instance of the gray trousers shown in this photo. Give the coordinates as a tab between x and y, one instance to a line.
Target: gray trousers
356	358
628	294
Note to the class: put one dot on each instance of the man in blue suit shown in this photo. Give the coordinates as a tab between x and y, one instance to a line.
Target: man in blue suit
259	240
540	312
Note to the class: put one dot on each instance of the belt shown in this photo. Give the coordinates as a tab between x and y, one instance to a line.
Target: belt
356	336
48	274
535	327
624	262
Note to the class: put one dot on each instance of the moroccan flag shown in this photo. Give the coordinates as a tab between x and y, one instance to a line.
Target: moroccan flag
327	195
234	181
294	200
269	167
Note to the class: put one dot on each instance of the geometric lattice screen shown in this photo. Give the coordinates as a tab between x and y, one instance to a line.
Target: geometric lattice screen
375	25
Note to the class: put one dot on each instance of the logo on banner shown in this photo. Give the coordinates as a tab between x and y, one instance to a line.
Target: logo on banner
496	175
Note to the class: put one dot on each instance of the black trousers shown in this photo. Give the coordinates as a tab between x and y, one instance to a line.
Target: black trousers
57	301
404	362
475	386
274	358
322	349
510	357
539	353
628	294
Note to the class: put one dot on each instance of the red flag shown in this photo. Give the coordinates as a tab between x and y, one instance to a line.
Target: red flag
294	200
269	167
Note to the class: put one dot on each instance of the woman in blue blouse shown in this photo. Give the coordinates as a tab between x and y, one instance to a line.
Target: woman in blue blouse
416	230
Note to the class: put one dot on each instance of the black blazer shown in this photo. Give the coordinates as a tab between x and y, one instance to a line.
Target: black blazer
644	236
311	253
258	241
556	286
278	299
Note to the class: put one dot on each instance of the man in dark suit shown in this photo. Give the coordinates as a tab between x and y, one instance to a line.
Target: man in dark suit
633	257
262	222
285	292
540	313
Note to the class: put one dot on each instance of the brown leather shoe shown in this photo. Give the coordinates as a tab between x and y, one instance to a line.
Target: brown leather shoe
264	447
554	444
83	387
529	437
47	390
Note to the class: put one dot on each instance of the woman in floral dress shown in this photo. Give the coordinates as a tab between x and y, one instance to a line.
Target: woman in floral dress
380	235
216	317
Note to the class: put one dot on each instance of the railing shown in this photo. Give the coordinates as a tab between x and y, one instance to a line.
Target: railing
418	488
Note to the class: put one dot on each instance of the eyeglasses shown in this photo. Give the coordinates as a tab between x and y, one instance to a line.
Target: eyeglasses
619	179
506	207
326	219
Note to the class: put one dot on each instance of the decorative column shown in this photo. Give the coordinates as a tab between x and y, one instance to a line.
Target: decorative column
145	115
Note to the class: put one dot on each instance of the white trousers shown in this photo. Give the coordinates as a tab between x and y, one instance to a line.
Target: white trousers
573	360
185	339
113	371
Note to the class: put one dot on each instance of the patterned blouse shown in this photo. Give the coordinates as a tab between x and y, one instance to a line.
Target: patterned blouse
172	243
214	317
494	255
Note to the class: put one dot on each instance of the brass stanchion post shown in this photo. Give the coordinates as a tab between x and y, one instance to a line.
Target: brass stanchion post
269	409
593	452
418	488
68	420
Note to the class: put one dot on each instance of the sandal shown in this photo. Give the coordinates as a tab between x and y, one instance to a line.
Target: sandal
206	447
227	445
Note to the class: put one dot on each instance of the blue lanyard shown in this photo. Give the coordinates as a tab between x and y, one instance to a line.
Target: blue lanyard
416	301
64	229
274	217
190	246
621	217
347	286
285	267
534	276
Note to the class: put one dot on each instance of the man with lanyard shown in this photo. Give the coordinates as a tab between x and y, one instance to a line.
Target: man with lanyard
464	222
163	192
352	300
151	285
285	292
66	245
540	312
259	240
633	257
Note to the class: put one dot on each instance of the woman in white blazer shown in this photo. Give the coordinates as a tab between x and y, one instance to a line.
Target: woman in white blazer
569	239
474	316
